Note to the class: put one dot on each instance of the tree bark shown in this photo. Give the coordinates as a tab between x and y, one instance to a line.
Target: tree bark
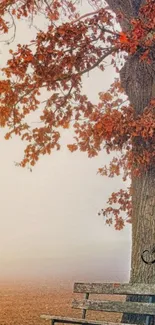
143	226
129	9
138	80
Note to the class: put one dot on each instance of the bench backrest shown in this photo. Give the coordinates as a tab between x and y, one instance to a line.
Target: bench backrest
114	306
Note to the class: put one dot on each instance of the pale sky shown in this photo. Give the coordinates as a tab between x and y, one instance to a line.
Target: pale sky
52	212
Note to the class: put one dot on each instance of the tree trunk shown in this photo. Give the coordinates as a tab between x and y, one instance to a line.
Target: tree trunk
138	80
143	236
143	226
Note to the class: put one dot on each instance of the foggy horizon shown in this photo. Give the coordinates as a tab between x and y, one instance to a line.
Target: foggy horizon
107	266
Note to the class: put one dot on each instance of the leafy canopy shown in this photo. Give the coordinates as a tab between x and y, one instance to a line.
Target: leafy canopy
56	60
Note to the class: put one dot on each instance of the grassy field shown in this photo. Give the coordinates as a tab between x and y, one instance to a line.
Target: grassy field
22	304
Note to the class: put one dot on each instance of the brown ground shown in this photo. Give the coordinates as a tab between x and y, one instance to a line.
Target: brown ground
22	304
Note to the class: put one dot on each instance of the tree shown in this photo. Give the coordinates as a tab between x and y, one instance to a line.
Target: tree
124	32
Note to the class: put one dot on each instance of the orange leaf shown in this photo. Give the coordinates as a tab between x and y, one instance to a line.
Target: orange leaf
123	38
72	147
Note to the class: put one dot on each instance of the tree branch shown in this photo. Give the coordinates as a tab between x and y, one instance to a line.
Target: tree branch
80	73
86	15
90	14
105	55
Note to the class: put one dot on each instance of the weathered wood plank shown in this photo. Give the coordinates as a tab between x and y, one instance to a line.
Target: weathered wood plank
115	288
93	288
69	320
115	306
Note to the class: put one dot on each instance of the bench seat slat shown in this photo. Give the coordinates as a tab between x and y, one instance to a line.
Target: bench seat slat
115	288
115	306
69	320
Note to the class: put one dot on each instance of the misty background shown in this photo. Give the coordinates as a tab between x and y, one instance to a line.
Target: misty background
49	223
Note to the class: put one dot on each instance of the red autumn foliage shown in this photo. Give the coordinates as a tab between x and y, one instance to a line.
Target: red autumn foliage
55	61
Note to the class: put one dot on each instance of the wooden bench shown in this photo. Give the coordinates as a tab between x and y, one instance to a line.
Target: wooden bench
106	305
